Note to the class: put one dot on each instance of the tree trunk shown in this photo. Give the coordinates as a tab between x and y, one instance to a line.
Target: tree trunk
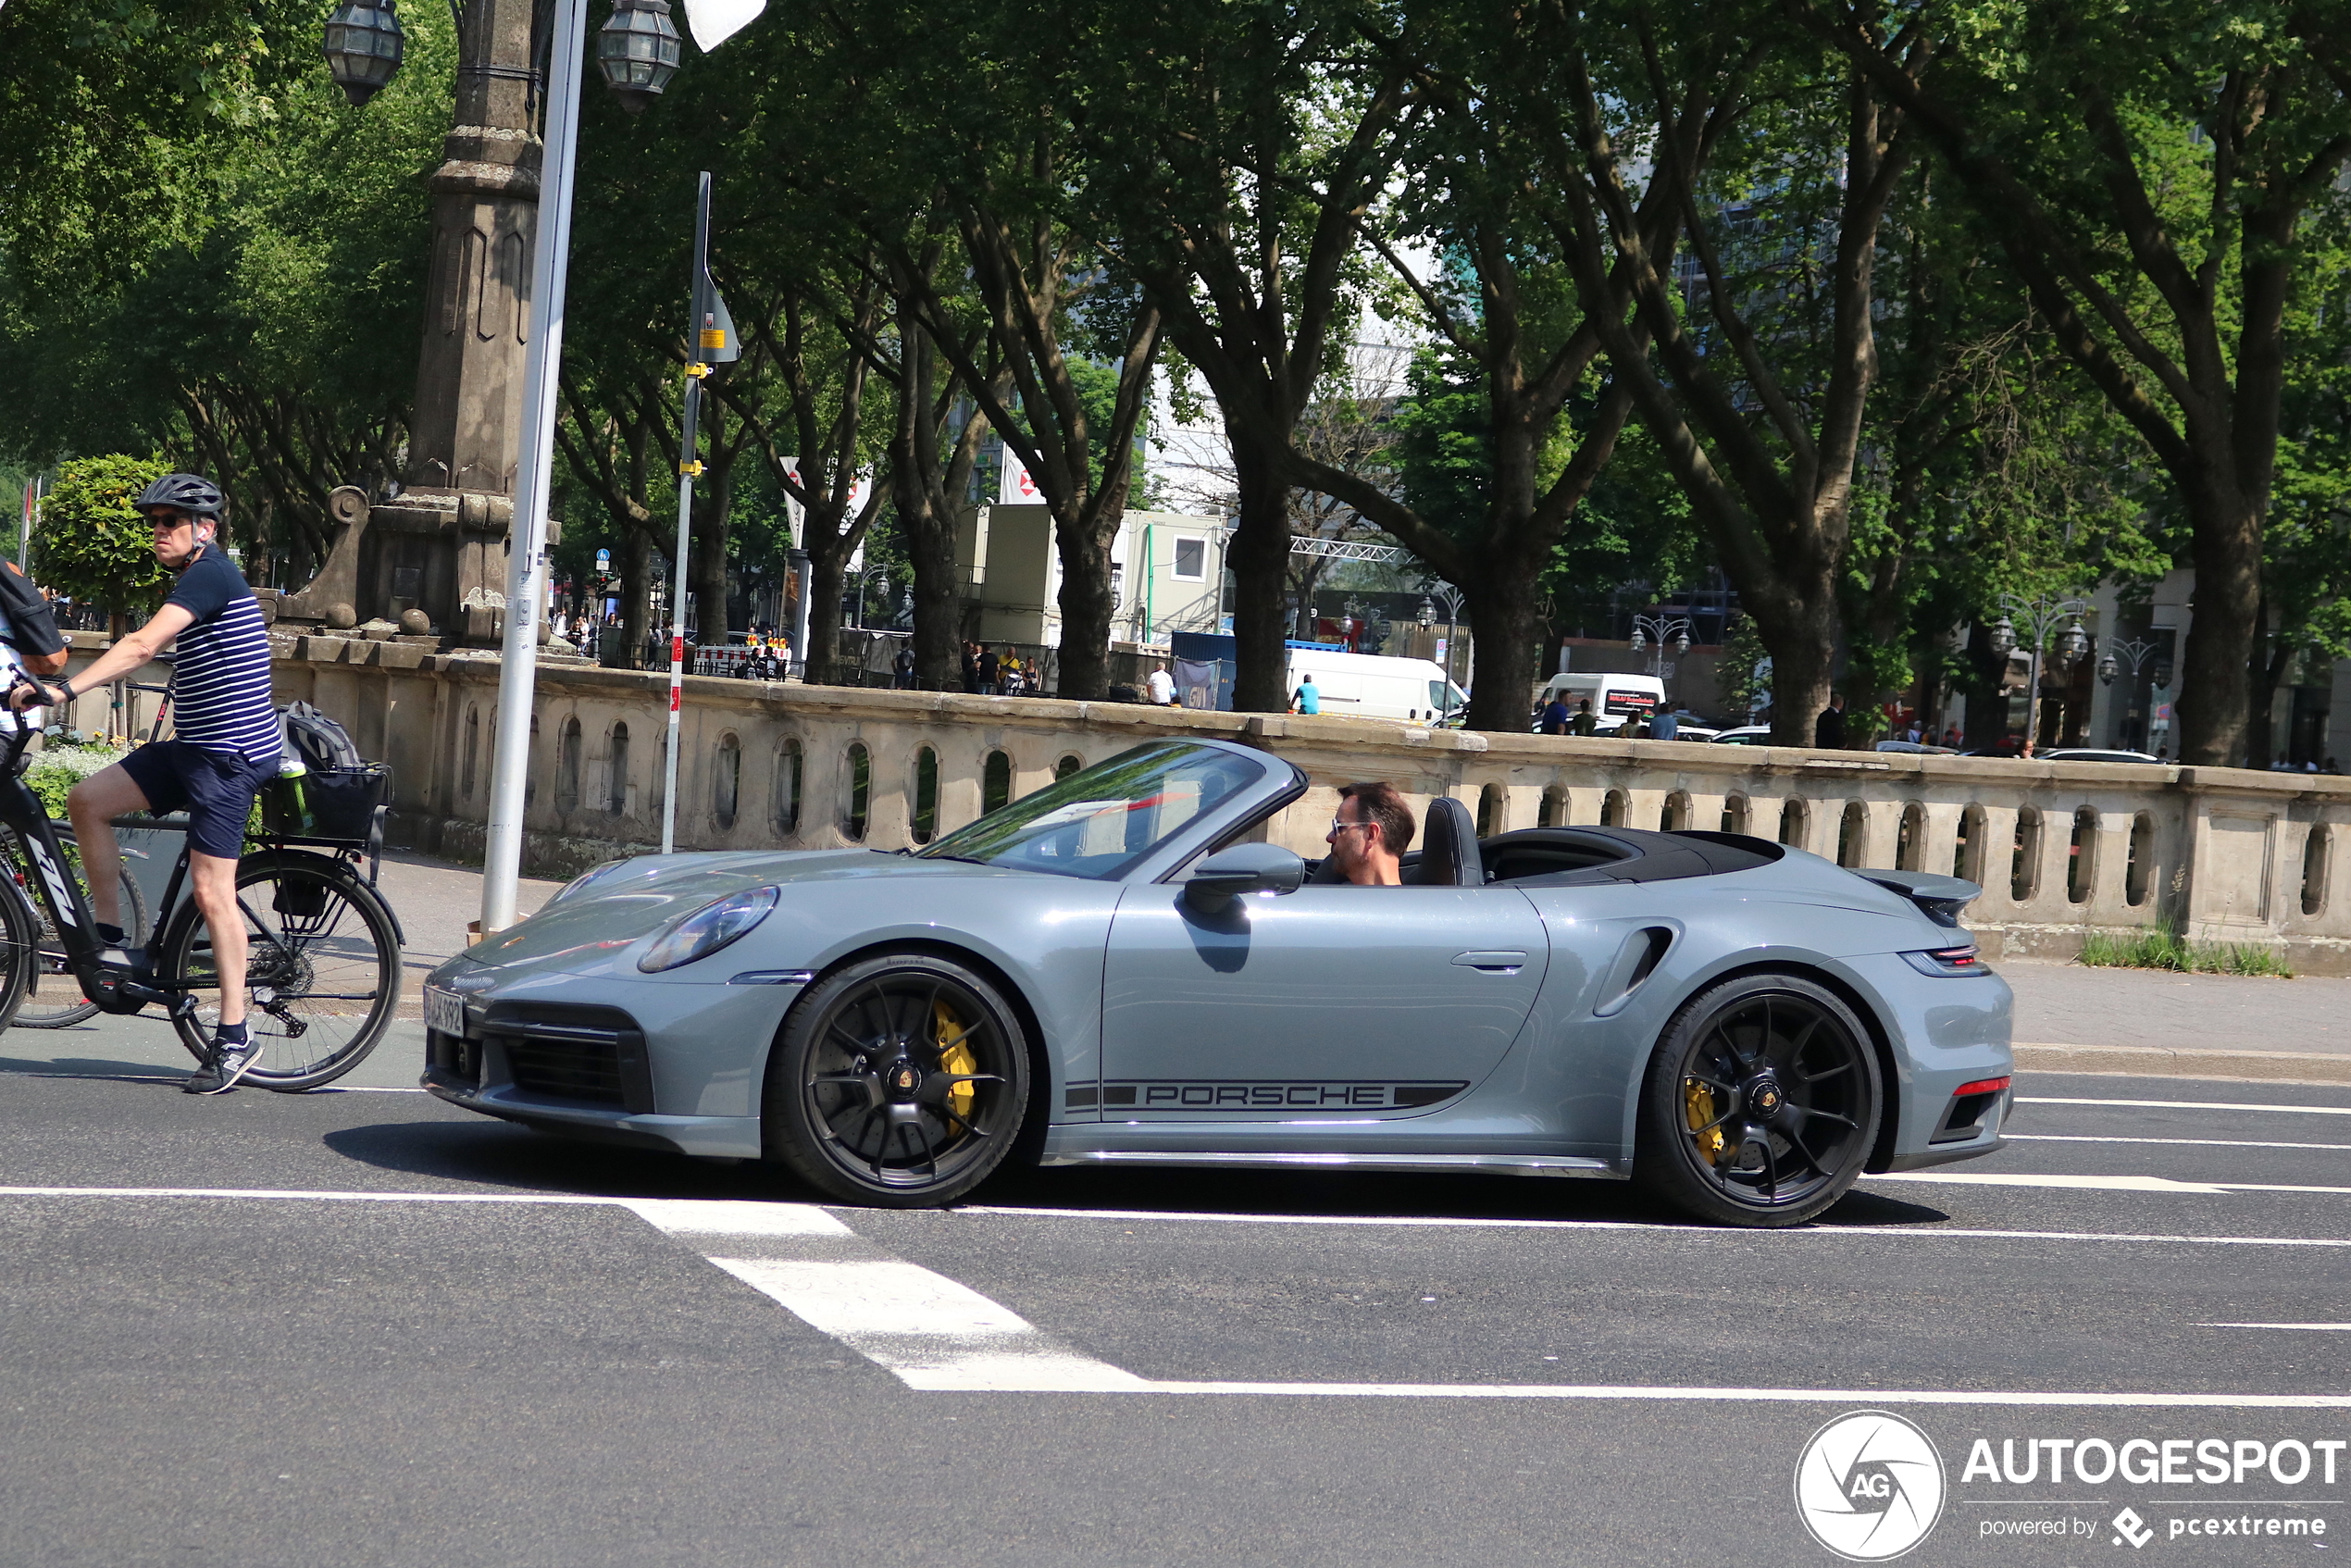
1259	557
1086	607
714	498
1503	602
825	589
2224	638
636	570
1800	629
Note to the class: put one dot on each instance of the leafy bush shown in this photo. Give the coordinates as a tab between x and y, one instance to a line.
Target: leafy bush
56	769
91	543
2162	946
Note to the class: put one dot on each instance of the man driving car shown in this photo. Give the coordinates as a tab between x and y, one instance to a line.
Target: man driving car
1372	828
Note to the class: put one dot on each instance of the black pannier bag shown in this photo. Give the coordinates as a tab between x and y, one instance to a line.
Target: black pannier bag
338	795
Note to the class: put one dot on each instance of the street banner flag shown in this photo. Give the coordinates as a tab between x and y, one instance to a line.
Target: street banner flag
714	21
1014	486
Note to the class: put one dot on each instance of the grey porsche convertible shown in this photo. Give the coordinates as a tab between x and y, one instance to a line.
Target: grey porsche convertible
1120	970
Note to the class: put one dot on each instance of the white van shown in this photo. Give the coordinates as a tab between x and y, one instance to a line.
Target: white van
1614	698
1369	686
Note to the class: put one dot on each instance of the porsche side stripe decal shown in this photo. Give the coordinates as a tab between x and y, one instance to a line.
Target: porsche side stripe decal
934	1333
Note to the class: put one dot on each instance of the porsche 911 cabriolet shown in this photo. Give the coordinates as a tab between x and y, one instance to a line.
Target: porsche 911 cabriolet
1120	970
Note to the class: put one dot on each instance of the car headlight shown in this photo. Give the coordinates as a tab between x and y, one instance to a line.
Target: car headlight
582	880
708	928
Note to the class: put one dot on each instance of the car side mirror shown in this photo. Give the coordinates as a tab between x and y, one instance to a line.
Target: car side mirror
1242	869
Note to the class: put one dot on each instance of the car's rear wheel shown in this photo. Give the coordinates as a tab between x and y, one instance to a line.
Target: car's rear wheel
899	1080
1760	1103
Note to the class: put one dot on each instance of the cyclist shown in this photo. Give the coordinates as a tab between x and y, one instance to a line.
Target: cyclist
227	743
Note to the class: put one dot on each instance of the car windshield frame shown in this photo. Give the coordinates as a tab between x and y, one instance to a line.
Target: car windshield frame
1049	831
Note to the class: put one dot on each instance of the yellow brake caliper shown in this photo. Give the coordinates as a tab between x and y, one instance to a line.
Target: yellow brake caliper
1698	1102
956	1057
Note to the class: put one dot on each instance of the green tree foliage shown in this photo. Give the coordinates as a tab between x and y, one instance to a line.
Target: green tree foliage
252	315
92	545
2146	172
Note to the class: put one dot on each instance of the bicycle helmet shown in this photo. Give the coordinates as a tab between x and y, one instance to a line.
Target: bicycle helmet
187	492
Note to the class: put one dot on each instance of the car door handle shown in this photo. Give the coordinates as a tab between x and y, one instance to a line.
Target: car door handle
1492	962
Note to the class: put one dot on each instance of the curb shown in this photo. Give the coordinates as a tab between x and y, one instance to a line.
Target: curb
2150	1060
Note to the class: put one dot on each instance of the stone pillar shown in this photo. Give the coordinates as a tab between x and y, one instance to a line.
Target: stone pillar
467	432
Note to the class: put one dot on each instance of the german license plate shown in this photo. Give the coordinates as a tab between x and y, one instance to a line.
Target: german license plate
444	1011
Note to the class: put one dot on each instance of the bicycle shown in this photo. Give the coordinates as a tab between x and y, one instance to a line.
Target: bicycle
323	962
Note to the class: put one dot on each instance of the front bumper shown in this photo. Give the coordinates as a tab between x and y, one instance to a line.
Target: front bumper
674	1067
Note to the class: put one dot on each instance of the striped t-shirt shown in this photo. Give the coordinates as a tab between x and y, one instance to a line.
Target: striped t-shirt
220	694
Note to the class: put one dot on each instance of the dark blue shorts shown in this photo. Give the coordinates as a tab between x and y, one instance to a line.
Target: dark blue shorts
216	788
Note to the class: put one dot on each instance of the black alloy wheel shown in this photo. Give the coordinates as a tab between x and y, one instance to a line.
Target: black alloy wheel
1762	1103
901	1080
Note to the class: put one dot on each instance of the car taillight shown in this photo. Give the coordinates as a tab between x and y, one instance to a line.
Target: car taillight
1980	1085
1947	961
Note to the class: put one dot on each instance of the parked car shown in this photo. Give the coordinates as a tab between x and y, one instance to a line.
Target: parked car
2093	754
1744	735
1917	748
1117	970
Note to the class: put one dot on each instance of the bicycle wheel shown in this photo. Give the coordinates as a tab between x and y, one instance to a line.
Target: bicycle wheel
322	963
54	998
19	951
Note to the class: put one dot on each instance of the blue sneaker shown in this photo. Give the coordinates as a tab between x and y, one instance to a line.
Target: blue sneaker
228	1064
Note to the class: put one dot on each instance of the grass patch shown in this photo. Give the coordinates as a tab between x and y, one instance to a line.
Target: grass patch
2162	946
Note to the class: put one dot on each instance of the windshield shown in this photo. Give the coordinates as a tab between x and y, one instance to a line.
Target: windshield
1099	822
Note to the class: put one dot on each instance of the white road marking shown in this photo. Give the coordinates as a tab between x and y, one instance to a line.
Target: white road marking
935	1334
725	1217
1786	1395
2163	1142
2098	1183
2190	1105
322	1197
2323	1327
1907	1232
932	1332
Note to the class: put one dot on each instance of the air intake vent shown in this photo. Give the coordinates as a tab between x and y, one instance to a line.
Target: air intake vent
579	1055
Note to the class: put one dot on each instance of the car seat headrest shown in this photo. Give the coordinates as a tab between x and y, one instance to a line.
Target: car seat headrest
1448	848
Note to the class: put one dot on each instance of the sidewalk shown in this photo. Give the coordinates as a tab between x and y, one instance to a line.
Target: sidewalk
2074	1019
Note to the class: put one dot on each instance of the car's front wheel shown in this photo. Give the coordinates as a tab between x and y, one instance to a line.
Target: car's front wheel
1760	1103
899	1080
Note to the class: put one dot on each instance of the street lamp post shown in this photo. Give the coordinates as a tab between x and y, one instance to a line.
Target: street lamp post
1431	592
1661	629
2040	616
2133	651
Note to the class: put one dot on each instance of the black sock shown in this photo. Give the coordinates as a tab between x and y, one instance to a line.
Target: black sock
229	1034
110	935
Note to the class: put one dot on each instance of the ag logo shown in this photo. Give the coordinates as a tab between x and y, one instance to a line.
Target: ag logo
1869	1485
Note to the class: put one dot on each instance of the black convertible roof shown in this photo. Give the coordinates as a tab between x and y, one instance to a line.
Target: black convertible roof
1573	856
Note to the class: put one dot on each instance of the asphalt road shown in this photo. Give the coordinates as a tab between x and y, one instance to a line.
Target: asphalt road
363	1328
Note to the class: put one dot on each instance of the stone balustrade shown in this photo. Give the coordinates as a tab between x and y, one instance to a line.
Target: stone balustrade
2059	847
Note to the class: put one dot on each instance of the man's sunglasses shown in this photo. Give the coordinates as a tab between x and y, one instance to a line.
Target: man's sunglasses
1338	827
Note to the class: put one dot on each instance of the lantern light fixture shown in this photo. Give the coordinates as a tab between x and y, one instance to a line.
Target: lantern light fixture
363	44
637	49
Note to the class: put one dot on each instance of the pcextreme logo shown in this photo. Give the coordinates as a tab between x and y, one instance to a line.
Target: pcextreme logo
1869	1485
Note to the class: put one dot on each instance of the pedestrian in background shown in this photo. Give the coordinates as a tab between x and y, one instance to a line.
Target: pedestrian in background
1307	699
991	669
1665	726
1583	723
902	667
971	666
1828	731
1161	687
1554	719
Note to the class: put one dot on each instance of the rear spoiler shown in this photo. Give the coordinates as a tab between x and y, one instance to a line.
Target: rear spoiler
1940	899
